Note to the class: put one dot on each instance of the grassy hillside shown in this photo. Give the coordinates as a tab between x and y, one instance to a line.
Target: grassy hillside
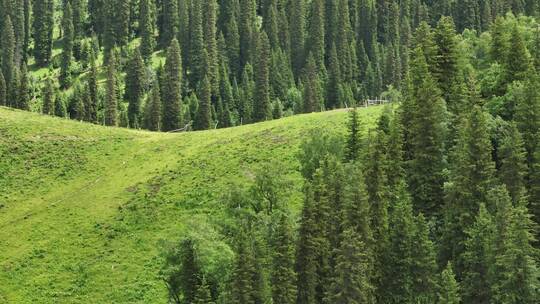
83	208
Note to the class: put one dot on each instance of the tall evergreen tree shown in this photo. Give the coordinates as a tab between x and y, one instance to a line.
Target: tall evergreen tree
23	90
8	53
3	87
43	24
297	30
471	178
169	22
353	137
67	46
203	120
172	88
92	88
146	29
210	41
153	104
283	276
134	90
111	95
48	97
518	63
312	95
261	108
426	137
513	167
449	290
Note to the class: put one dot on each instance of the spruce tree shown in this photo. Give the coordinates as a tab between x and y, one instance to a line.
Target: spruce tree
297	32
478	258
134	90
67	46
513	167
351	285
447	56
306	252
316	44
334	80
122	24
514	273
3	94
203	120
472	176
24	90
198	55
92	88
283	276
169	22
172	88
111	95
449	290
210	41
312	92
424	267
43	24
8	53
146	29
426	137
261	108
48	97
153	104
353	138
247	27
518	63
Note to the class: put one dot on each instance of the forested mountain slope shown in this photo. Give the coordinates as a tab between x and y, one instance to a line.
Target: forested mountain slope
83	208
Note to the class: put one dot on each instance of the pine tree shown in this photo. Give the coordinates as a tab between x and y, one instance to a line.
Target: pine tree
48	97
154	109
449	290
447	56
210	41
514	273
203	120
111	102
8	53
169	22
246	29
146	29
499	41
312	96
424	267
246	276
334	80
67	46
43	24
198	54
261	108
24	90
426	137
122	22
398	268
172	88
351	284
316	40
92	88
3	95
306	252
283	276
297	32
518	63
513	166
134	90
353	137
471	177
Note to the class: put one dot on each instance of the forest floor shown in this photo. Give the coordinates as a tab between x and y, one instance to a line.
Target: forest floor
85	209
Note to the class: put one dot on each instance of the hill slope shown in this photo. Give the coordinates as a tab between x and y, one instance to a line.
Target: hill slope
83	208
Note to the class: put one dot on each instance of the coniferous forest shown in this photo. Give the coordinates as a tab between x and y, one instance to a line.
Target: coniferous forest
438	201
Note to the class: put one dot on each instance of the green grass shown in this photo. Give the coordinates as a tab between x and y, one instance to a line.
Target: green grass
83	208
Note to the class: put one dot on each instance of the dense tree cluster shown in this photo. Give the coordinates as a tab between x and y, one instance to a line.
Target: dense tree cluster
262	59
